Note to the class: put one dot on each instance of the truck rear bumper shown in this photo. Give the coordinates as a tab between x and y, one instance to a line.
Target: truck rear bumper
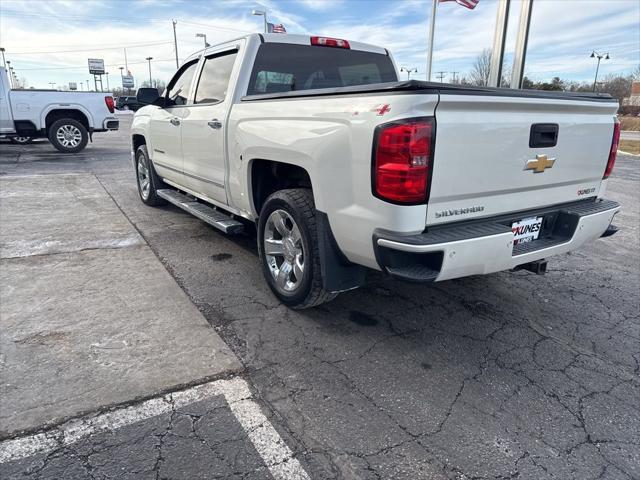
111	123
486	246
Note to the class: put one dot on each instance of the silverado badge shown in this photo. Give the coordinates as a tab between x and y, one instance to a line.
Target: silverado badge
540	163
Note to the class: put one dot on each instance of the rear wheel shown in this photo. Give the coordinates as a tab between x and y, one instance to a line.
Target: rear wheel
147	179
288	246
68	135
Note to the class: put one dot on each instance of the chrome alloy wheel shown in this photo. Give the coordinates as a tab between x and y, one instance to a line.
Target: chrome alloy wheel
69	136
283	251
144	182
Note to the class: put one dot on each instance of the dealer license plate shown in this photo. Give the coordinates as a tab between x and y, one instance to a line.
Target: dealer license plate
526	230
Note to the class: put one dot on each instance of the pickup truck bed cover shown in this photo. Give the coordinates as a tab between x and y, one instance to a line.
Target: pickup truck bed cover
418	86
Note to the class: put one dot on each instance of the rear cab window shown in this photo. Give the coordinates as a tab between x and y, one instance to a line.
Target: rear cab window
282	67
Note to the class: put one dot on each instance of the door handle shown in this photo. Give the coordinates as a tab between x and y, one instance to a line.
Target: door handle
215	124
175	121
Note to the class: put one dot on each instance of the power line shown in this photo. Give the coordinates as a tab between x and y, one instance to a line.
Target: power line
96	48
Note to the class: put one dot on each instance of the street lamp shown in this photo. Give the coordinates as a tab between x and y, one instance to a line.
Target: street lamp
87	85
409	71
206	45
599	56
4	63
149	60
262	13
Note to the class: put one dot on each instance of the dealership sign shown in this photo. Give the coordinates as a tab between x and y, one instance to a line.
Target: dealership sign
96	66
127	81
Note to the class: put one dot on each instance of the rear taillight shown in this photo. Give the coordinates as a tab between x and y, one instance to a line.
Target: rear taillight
614	150
110	104
402	154
330	42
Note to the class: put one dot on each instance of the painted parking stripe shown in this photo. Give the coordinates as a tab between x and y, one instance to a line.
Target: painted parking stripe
276	455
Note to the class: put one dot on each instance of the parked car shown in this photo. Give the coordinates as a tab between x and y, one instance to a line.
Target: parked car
127	103
344	168
67	119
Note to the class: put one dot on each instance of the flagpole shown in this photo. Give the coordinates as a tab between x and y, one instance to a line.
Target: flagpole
432	27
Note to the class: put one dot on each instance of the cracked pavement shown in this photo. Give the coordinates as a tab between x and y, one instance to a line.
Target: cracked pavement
509	375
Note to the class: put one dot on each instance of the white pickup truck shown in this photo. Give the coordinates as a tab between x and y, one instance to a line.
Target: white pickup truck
67	119
345	169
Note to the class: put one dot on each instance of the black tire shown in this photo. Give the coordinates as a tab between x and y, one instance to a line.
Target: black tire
77	143
299	205
21	140
148	196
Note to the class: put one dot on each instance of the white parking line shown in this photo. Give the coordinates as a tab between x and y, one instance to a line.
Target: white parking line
276	455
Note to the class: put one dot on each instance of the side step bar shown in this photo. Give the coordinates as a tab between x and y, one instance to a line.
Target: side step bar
213	217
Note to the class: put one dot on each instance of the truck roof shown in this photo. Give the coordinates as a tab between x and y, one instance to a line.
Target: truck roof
296	40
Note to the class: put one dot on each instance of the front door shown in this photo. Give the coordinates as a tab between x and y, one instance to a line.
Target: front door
203	128
166	125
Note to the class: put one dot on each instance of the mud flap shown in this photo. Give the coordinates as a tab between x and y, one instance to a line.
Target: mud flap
338	274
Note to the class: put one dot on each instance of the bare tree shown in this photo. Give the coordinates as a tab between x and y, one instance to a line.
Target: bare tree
481	67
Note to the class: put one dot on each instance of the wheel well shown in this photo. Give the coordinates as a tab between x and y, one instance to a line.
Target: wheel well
268	177
55	115
136	141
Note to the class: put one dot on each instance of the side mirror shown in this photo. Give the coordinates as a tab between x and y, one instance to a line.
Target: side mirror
149	96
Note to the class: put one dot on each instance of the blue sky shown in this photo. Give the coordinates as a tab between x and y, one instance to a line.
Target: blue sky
50	41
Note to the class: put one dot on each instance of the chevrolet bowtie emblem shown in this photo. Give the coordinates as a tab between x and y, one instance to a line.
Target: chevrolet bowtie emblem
540	163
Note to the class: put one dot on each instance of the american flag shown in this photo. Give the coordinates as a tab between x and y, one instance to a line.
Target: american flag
470	4
277	28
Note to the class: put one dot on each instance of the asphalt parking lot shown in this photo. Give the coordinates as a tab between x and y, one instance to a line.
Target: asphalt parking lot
509	375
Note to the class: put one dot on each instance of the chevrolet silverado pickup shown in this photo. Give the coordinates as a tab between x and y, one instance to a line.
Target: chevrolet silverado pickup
344	169
67	119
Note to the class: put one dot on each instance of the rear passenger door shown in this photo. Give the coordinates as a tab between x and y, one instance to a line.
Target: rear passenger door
203	127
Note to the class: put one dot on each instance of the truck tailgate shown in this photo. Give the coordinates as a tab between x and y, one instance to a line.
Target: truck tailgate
484	165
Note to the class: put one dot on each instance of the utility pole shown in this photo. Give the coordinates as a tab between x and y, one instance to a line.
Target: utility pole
175	41
440	76
599	56
453	76
150	81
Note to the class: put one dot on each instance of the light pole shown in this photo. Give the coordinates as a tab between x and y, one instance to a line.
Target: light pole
599	56
107	74
409	71
262	13
9	67
202	35
53	84
87	85
150	81
4	63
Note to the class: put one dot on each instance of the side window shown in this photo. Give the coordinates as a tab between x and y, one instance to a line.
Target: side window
214	79
180	86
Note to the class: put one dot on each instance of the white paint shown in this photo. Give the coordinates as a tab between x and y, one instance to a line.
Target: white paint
276	455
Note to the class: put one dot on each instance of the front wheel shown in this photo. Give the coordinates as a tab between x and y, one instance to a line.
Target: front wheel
288	246
68	135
